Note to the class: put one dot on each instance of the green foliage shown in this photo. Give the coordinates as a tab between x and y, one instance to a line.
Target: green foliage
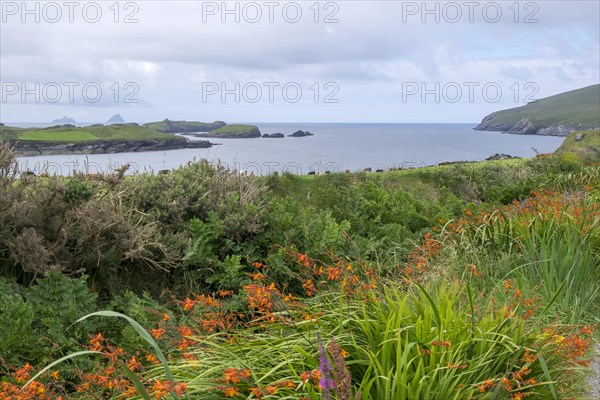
77	191
169	126
587	149
83	134
237	130
34	320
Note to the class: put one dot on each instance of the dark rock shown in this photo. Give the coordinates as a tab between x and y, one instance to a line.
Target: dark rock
273	135
379	170
499	156
163	172
300	133
312	173
367	169
347	171
1	124
327	172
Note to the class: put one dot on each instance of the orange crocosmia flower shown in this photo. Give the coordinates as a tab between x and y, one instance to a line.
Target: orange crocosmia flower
161	389
231	392
586	330
165	317
189	304
185	331
231	375
157	333
134	364
22	375
245	373
152	358
305	376
96	342
290	385
179	388
54	375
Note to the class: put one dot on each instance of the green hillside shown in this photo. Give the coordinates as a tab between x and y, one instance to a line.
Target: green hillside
585	145
235	131
82	134
577	109
168	126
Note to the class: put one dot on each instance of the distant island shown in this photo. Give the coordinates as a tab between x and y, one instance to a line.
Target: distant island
556	115
115	119
64	120
117	137
94	139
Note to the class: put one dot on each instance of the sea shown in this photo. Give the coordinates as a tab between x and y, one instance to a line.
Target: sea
334	147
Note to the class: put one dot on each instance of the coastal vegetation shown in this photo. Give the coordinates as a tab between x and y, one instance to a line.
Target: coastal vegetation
72	134
93	139
168	126
459	281
235	131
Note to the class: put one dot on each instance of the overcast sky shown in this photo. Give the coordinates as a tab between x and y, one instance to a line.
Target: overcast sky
304	61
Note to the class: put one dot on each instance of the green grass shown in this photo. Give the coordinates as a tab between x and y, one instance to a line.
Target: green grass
69	135
587	149
125	131
83	134
236	130
579	107
169	126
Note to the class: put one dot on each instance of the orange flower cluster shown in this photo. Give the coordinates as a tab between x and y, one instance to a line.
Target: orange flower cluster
421	256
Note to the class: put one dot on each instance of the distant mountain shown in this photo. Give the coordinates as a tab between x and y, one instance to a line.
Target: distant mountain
64	120
556	115
115	119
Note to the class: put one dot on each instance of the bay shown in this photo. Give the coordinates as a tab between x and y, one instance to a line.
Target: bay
335	147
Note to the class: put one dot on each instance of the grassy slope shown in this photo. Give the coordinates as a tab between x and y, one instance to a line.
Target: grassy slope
581	106
185	125
235	130
82	134
587	148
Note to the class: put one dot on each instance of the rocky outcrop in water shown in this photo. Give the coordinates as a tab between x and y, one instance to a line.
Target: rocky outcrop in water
273	135
31	148
300	133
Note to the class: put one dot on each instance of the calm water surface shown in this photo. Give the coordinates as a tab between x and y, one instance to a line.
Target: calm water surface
334	147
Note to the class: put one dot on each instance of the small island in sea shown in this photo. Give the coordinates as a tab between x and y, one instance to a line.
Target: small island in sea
93	139
64	120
